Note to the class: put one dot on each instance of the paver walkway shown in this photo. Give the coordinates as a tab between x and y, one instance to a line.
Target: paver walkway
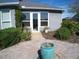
28	49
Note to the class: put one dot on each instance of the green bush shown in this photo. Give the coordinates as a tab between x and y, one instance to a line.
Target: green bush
18	17
76	27
63	33
11	36
25	36
68	23
72	25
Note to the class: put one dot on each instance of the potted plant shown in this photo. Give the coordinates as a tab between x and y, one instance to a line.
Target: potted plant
47	51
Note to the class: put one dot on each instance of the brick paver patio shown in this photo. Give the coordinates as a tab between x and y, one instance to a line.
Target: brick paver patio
29	49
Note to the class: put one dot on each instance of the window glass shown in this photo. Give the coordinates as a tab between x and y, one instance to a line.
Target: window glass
35	16
44	16
26	16
25	24
5	25
44	23
6	18
5	15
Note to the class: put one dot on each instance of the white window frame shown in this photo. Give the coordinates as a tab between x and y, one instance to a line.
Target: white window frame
45	20
7	20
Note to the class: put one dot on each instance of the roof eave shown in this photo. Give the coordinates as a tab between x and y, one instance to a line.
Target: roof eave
9	3
41	8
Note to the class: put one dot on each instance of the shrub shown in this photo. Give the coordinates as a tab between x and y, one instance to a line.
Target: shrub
25	36
68	23
72	25
76	27
63	33
18	17
11	36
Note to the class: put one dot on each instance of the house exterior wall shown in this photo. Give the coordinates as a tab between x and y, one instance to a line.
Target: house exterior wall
55	20
0	19
13	18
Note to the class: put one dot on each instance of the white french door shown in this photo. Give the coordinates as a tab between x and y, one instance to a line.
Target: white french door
35	21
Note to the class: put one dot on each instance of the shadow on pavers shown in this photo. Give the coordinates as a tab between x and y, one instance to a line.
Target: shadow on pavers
39	54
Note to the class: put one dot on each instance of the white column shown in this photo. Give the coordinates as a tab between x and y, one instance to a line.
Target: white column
31	21
39	22
1	19
48	20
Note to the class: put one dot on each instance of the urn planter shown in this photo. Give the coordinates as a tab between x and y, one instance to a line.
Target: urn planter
48	51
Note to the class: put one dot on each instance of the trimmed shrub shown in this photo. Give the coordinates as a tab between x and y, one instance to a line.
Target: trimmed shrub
11	36
63	33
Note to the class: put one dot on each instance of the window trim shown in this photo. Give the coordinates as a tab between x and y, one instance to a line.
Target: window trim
44	20
25	20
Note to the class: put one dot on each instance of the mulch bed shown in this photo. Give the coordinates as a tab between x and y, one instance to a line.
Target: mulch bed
74	39
49	35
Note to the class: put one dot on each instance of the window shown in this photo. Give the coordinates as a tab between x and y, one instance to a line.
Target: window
44	18
35	16
26	16
26	19
6	19
44	23
5	15
5	25
26	24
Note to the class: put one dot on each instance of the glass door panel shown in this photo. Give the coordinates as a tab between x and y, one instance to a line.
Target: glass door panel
35	21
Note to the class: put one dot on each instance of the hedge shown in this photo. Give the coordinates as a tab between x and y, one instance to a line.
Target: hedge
11	36
72	25
63	33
